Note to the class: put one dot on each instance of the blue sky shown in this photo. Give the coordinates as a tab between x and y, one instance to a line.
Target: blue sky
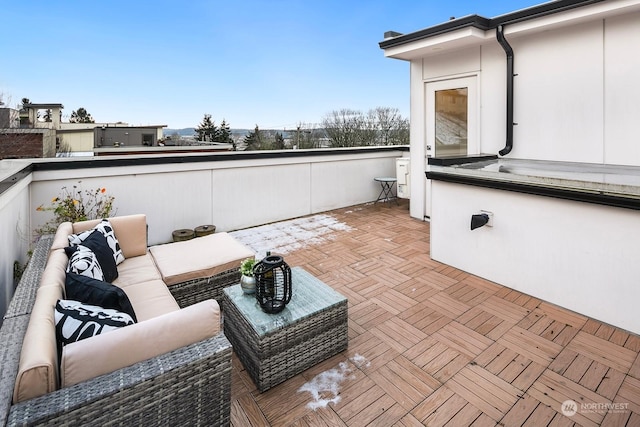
268	63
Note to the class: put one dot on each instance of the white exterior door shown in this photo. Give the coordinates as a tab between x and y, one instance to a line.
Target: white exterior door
451	121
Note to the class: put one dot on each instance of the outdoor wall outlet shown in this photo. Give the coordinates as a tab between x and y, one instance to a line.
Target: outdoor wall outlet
490	214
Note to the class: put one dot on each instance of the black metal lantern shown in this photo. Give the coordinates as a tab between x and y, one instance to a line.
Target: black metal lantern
273	283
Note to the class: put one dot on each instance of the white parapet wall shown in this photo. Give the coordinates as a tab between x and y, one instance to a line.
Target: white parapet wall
577	255
240	192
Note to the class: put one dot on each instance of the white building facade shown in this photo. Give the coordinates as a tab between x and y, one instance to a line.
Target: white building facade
549	147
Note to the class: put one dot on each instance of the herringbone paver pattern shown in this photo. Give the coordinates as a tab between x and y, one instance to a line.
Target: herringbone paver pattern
445	348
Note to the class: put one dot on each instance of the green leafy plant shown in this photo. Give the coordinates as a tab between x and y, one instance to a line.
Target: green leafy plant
76	204
246	267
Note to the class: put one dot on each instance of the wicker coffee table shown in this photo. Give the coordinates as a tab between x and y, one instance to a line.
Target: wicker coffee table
276	347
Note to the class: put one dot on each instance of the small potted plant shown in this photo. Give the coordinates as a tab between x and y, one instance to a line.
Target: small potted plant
247	280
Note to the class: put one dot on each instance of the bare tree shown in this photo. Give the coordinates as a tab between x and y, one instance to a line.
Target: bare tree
308	136
392	128
380	126
344	128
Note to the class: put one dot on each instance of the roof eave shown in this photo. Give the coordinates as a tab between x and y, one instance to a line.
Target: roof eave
485	24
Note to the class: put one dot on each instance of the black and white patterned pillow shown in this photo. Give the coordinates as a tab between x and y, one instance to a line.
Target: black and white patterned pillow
76	321
107	230
98	244
83	261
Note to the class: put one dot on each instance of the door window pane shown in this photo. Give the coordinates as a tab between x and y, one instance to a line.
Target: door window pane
451	122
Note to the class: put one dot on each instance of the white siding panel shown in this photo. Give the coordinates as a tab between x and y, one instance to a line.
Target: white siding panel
244	197
559	95
622	90
335	184
452	63
493	92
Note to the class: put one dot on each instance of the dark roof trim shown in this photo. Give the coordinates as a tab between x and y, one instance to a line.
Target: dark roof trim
11	180
540	190
485	24
101	162
460	160
475	21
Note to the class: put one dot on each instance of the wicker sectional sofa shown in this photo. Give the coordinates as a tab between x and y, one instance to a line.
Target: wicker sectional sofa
172	367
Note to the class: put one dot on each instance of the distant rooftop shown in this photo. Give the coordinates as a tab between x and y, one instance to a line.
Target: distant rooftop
42	106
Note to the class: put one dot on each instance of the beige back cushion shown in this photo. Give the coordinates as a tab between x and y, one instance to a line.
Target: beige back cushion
123	347
61	238
55	271
130	230
38	368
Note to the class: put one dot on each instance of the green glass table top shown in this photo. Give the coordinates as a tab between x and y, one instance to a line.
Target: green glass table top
309	296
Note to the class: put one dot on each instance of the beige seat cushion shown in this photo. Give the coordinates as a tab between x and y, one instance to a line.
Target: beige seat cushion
200	257
38	368
137	270
130	230
151	299
123	347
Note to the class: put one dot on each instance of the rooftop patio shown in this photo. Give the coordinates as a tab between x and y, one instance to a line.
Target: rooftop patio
433	345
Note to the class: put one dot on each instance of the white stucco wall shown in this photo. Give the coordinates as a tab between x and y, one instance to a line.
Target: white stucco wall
577	255
14	232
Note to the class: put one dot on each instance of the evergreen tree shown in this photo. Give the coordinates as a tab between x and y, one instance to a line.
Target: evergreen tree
253	140
207	130
24	101
81	116
224	133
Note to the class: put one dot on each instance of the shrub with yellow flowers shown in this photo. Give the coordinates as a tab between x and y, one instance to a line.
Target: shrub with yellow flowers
76	204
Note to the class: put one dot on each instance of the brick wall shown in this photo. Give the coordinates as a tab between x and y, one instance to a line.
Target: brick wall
20	145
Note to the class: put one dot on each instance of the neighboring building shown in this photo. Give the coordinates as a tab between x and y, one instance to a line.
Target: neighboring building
69	138
545	100
87	137
9	118
20	139
31	113
27	135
